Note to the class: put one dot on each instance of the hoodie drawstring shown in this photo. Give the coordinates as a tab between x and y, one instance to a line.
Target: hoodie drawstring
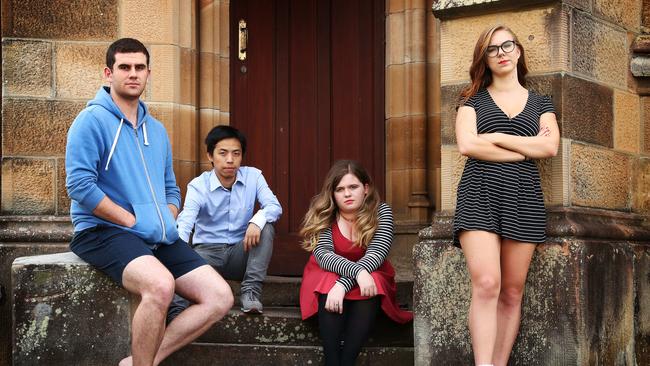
117	135
144	130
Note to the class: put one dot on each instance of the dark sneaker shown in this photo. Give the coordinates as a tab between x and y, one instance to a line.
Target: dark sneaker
250	304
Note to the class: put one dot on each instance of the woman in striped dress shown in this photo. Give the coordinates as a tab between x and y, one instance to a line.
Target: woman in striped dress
500	215
348	278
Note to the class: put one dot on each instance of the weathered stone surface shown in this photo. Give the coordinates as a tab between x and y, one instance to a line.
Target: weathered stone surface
204	354
600	178
79	20
65	311
449	9
640	65
452	169
587	112
284	325
27	68
164	83
641	43
645	124
627	121
150	21
28	186
450	95
578	306
598	49
542	32
9	252
623	13
554	178
398	136
36	127
188	74
62	199
641	186
79	69
641	309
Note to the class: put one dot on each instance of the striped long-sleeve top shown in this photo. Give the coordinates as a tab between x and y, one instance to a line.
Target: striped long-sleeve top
375	255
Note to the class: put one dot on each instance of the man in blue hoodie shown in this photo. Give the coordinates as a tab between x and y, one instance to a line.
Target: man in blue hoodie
124	204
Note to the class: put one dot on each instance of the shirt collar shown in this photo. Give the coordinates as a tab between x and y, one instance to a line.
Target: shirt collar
216	183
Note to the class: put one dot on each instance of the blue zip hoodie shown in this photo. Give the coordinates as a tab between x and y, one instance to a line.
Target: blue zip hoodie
106	156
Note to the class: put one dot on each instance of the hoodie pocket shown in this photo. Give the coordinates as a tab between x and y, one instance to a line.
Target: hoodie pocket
171	232
147	223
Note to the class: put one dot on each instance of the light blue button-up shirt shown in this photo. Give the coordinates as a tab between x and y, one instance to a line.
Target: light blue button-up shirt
220	215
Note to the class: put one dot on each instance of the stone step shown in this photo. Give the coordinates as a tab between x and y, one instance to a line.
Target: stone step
285	291
284	326
199	354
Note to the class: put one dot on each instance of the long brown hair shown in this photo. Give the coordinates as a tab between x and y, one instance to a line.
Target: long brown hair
480	73
323	209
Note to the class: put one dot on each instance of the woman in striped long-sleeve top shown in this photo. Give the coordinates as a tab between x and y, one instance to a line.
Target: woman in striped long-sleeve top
348	279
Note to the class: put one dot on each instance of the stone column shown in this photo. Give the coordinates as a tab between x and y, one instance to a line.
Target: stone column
214	71
586	297
406	125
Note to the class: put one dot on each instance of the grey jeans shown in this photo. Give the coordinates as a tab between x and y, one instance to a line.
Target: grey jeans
233	263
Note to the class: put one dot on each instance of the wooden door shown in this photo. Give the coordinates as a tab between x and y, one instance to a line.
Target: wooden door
310	92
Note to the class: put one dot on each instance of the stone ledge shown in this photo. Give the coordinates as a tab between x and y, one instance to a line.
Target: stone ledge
567	222
35	229
58	300
450	9
640	65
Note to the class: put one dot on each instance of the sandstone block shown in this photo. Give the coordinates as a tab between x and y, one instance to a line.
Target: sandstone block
415	89
642	312
185	172
398	192
395	38
78	20
624	13
537	29
452	165
208	70
396	97
645	124
187	24
641	186
397	143
165	81
188	75
450	95
79	69
27	68
150	21
9	252
626	121
28	186
600	177
185	133
208	23
587	113
415	35
60	300
37	127
224	87
62	198
597	50
224	29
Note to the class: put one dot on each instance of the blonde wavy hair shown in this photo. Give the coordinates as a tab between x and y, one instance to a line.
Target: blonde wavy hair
323	209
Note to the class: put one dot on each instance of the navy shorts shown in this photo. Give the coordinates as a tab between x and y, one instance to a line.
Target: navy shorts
110	249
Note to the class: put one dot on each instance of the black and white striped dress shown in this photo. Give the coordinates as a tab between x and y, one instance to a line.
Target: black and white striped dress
503	198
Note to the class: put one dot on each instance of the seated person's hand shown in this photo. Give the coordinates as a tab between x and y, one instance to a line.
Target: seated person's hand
366	284
252	236
334	302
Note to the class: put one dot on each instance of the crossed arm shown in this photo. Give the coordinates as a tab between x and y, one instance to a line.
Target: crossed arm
501	147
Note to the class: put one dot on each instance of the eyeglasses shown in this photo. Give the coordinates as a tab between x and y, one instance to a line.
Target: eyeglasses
507	47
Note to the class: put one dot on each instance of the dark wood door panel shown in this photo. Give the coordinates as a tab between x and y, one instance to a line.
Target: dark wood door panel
306	96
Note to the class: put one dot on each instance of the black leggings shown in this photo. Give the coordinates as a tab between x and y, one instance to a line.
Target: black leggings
352	327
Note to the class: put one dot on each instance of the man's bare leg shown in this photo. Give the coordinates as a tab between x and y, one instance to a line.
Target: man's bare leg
147	277
212	298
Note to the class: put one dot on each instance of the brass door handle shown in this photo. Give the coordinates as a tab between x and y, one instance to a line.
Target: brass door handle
243	39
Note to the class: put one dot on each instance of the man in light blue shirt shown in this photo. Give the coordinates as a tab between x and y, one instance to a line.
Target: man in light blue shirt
219	207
